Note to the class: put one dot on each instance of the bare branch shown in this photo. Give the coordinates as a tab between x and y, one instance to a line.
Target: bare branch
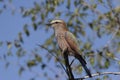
54	56
98	74
68	68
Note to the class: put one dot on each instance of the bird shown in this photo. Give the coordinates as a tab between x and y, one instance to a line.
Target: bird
67	41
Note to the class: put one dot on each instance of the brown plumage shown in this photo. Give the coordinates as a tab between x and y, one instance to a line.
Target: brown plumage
66	40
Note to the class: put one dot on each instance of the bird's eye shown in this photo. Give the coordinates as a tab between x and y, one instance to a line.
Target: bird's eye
56	22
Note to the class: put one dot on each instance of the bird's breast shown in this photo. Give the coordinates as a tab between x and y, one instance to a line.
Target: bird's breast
62	42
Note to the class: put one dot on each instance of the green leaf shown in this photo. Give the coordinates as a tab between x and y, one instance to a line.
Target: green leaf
9	45
31	63
94	6
68	4
98	79
20	52
34	26
117	9
105	78
1	11
58	14
17	44
26	13
100	1
42	16
38	58
85	8
43	66
92	61
91	25
7	64
107	63
87	46
1	43
80	69
119	62
9	1
109	54
26	30
33	18
21	70
20	37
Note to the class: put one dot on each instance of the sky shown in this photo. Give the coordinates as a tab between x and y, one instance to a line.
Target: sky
10	26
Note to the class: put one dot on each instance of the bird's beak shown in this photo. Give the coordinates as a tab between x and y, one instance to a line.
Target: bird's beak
48	24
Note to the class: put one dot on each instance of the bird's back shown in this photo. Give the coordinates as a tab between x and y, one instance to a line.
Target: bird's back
72	41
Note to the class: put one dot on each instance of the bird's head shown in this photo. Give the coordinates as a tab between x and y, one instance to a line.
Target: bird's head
57	23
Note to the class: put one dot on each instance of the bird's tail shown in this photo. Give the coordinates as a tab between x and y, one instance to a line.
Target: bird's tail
83	63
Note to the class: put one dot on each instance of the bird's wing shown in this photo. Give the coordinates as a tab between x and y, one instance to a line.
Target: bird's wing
72	41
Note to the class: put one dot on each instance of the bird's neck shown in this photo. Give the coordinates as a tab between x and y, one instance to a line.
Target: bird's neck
60	30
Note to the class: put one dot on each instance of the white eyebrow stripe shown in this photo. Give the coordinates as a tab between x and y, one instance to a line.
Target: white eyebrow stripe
53	21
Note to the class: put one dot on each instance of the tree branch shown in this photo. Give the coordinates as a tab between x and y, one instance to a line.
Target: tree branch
98	74
68	68
54	56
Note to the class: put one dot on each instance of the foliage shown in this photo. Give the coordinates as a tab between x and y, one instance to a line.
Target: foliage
85	18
